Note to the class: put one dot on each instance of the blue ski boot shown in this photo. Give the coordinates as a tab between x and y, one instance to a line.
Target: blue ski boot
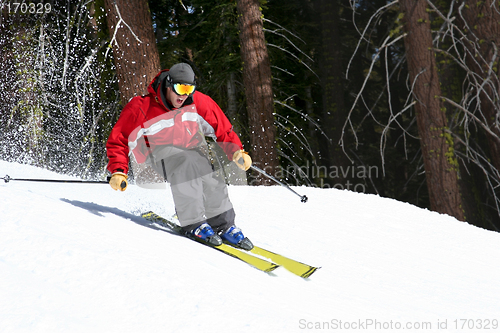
206	233
234	236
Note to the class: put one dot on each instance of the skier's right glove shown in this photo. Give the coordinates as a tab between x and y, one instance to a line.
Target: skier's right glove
118	181
242	159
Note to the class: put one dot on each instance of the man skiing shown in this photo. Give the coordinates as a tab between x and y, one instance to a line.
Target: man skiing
166	129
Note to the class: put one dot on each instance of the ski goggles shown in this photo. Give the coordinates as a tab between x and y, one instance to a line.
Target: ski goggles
183	89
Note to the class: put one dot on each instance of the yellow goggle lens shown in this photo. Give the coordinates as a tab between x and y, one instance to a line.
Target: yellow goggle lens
184	89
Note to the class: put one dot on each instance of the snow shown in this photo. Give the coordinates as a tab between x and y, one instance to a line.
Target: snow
76	258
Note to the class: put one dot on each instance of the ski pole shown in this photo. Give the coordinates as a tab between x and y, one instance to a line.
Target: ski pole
303	198
7	179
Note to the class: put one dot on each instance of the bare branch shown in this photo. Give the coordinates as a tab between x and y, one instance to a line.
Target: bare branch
364	32
293	55
315	123
120	21
374	60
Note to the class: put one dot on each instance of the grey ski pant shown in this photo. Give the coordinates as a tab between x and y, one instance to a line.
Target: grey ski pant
200	194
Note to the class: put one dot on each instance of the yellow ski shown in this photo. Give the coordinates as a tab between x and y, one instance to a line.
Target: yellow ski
260	264
297	268
256	262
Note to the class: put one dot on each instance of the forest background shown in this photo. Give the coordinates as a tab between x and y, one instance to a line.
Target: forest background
398	98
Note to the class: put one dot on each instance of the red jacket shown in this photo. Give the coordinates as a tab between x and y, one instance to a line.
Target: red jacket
148	122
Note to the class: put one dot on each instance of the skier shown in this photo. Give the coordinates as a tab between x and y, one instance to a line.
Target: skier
166	129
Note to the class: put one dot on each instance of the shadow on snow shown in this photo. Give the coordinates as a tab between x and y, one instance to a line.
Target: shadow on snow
100	210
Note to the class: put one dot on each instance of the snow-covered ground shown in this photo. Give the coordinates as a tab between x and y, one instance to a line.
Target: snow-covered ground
76	258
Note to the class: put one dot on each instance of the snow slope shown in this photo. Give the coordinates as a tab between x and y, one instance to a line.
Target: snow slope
76	258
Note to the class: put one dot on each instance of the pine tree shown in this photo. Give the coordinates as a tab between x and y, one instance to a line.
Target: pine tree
258	90
134	46
437	144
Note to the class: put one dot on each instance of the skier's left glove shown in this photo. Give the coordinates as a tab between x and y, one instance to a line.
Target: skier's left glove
242	159
118	181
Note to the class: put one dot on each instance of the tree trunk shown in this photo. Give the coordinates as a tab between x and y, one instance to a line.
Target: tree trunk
437	144
232	102
334	113
134	46
258	91
26	107
310	125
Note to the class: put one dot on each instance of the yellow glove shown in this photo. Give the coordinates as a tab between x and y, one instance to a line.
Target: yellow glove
118	181
242	159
